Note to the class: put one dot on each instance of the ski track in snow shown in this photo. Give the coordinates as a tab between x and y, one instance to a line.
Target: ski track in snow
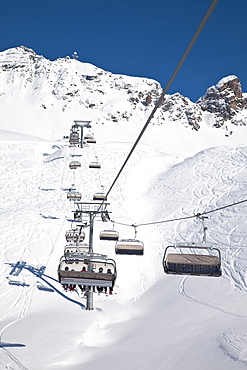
234	344
20	306
184	292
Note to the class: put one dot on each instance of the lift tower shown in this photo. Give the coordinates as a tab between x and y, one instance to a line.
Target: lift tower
92	209
82	124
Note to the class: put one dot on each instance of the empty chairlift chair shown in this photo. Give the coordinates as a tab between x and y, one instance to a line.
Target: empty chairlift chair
74	195
90	139
193	263
94	165
109	235
87	271
74	164
129	246
99	196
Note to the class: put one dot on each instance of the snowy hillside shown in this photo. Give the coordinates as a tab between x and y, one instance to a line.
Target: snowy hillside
153	321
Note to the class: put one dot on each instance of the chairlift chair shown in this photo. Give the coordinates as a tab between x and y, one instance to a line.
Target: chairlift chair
73	250
74	195
91	141
129	246
99	196
74	164
75	235
94	165
109	235
74	138
85	270
192	263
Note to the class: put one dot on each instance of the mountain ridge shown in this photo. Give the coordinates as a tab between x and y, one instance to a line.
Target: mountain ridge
67	84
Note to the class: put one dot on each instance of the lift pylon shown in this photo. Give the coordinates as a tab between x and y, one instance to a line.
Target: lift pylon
81	125
92	209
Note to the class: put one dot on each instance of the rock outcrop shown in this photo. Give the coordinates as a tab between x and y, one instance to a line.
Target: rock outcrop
224	100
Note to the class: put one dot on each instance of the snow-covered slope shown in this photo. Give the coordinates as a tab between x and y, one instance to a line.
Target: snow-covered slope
154	321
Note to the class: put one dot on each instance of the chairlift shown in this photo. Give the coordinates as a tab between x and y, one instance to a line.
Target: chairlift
74	164
91	141
192	263
109	235
87	270
99	196
74	138
88	136
129	246
75	235
74	195
94	165
75	128
73	250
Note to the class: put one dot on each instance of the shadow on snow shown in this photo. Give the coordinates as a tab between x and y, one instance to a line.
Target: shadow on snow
4	345
39	272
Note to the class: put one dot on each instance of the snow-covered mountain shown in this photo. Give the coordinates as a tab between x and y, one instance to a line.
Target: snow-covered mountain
41	87
191	159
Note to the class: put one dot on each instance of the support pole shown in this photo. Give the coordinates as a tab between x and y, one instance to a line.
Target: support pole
81	136
89	305
92	212
89	294
91	232
204	228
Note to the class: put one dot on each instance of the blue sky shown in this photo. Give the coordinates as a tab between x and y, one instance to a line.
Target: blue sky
136	38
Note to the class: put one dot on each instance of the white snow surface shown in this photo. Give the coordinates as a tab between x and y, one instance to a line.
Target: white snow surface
153	321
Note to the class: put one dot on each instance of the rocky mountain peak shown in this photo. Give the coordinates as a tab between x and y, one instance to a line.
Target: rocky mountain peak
225	100
230	83
177	107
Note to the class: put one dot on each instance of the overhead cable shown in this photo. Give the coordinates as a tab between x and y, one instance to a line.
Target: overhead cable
160	100
183	218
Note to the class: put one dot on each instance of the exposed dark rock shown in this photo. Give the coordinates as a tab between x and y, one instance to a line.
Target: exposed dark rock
148	99
224	100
